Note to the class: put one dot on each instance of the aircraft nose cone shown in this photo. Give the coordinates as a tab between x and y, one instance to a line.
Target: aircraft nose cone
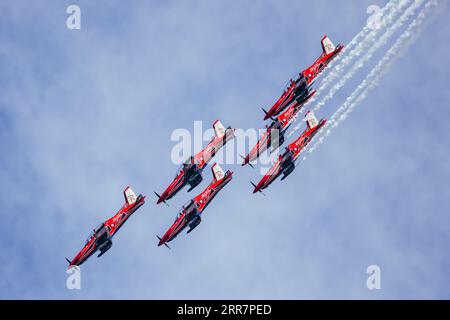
161	198
161	240
72	264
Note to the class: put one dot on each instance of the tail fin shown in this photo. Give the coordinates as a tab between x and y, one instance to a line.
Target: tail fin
219	129
217	172
311	120
130	196
327	45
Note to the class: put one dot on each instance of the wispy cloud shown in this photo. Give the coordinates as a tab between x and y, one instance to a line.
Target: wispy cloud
84	113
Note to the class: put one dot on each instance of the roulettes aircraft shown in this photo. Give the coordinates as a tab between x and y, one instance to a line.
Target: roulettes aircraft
100	237
285	163
190	213
274	135
298	88
190	172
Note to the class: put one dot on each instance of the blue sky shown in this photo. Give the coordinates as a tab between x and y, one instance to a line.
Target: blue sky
85	113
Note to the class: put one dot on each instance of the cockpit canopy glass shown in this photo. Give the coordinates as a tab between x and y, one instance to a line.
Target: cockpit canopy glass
99	227
185	165
91	235
188	204
180	170
186	207
94	232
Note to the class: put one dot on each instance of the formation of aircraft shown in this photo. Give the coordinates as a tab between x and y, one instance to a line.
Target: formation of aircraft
285	163
273	137
190	172
296	95
190	213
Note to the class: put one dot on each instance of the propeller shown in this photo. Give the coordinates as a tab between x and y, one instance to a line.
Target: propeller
159	197
266	113
257	188
163	242
247	162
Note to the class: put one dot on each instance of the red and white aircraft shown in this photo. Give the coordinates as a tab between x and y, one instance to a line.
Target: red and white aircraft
285	163
298	88
190	213
100	237
190	171
274	134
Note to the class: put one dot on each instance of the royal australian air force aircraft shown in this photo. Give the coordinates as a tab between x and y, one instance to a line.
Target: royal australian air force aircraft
101	237
273	136
190	214
298	88
190	172
285	162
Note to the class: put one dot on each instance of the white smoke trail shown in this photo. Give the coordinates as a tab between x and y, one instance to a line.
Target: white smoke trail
381	42
412	32
363	39
367	56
